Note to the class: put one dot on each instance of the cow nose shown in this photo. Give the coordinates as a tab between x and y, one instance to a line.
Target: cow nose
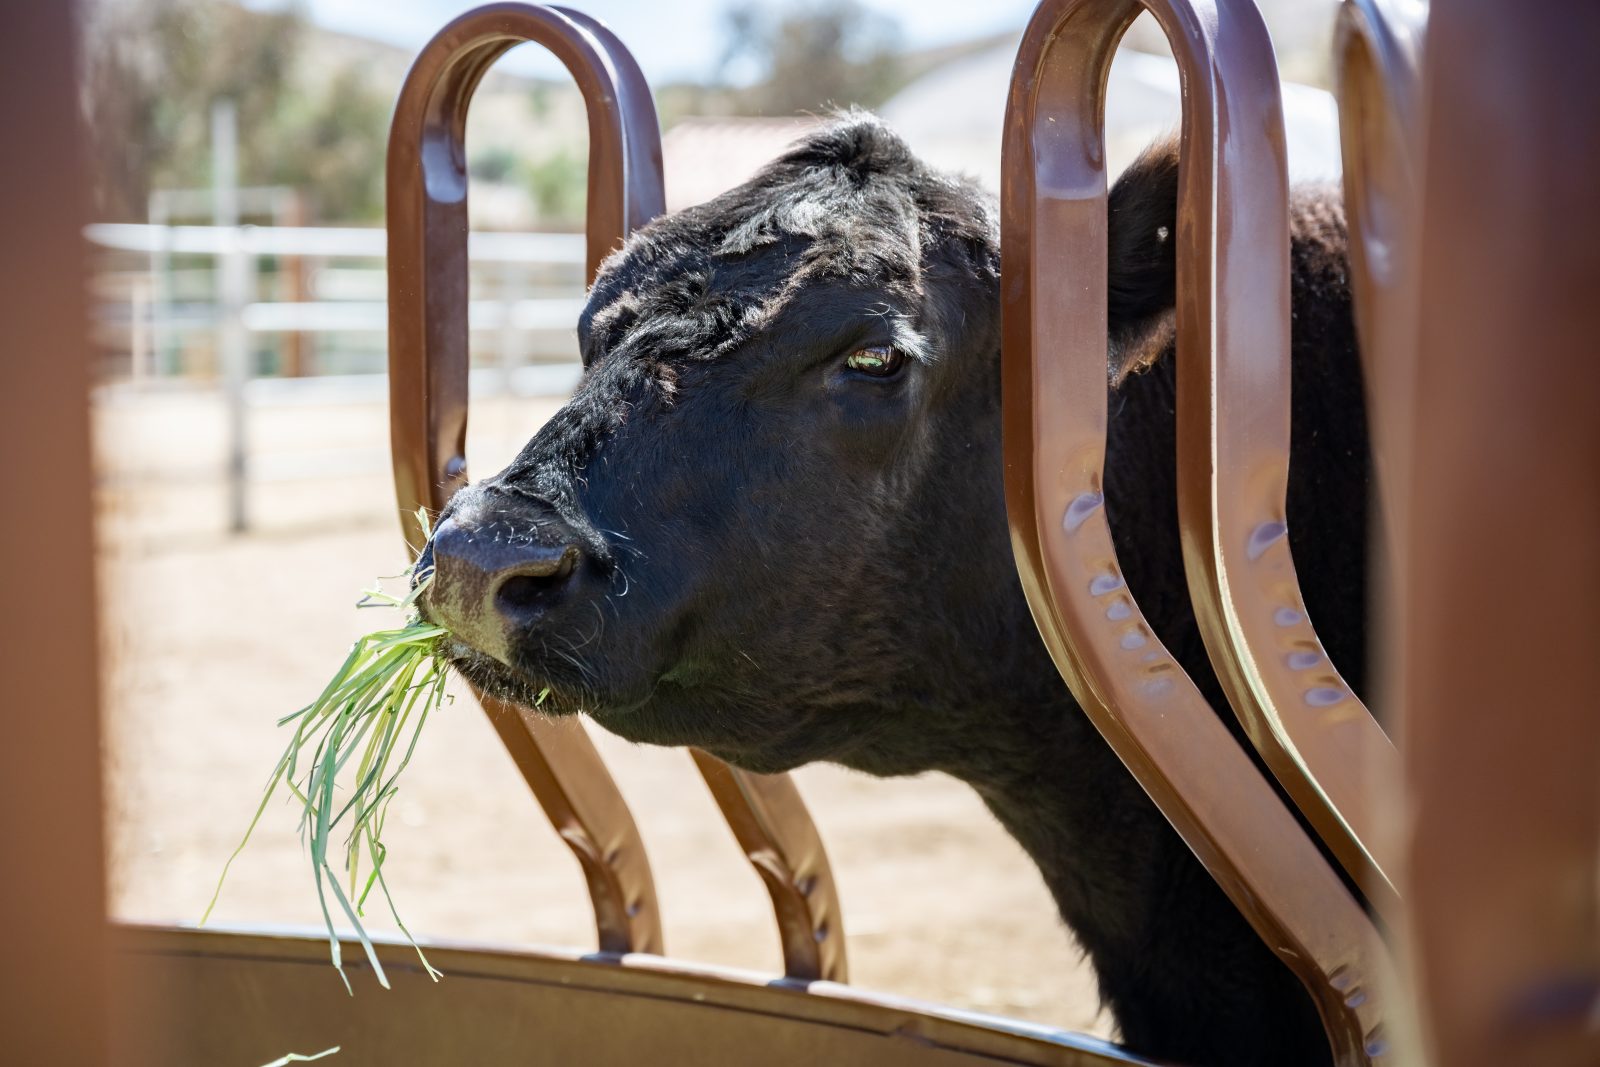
486	587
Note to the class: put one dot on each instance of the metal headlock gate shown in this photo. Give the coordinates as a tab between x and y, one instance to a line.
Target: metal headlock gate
1233	464
1504	816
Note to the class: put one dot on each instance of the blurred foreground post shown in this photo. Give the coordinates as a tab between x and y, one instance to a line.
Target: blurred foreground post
1498	559
52	891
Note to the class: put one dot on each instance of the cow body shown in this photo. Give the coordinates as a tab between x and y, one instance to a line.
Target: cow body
771	524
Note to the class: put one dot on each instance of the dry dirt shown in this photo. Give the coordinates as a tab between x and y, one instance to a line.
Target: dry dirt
211	637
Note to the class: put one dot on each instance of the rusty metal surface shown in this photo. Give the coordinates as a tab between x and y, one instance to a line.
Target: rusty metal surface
1053	210
244	997
428	403
53	999
1497	571
772	826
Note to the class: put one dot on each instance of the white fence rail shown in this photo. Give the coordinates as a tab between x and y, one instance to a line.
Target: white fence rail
155	320
360	242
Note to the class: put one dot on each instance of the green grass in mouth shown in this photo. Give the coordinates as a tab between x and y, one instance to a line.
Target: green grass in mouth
349	746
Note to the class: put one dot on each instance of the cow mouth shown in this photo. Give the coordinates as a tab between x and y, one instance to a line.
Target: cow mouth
665	713
544	689
533	691
557	689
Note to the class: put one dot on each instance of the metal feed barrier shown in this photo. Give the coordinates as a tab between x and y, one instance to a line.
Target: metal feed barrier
1233	459
1492	885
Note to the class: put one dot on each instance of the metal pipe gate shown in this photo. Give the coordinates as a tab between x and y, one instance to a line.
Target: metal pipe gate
428	359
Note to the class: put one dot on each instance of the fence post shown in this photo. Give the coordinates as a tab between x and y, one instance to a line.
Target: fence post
234	268
233	283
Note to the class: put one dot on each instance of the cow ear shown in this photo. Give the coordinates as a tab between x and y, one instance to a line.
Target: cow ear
1142	232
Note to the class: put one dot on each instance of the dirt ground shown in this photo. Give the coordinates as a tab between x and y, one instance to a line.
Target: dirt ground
210	637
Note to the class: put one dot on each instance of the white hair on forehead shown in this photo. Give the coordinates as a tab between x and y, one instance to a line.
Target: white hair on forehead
910	340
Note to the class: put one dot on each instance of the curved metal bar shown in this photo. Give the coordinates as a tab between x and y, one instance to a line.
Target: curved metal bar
1233	440
427	197
428	398
428	361
1053	219
643	194
772	826
766	813
1377	62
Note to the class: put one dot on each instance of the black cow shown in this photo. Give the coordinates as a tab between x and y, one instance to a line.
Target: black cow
770	523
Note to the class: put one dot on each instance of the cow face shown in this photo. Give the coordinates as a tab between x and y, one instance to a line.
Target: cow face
770	521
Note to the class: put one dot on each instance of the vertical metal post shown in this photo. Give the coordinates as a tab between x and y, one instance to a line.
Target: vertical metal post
52	875
1497	560
233	282
224	163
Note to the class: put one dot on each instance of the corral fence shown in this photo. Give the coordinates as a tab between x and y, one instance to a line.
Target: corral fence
291	317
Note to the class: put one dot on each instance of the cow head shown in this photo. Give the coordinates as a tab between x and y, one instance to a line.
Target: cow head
770	522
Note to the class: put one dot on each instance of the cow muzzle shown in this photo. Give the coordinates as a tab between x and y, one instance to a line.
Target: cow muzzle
496	579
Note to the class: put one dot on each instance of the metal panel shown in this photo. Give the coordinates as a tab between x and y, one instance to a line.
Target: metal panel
203	997
1053	211
427	199
1377	58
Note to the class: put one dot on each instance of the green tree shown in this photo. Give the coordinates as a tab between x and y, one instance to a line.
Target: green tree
557	184
808	58
153	69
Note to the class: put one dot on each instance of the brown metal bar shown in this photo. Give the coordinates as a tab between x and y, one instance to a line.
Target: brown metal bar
1377	60
766	813
1233	443
428	217
428	363
1497	572
1053	218
772	826
428	391
53	1004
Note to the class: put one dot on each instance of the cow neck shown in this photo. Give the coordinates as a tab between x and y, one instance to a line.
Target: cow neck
1055	785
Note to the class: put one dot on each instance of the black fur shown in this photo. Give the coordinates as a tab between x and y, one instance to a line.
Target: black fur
787	560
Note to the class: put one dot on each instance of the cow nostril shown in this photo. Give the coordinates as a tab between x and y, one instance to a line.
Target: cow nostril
528	589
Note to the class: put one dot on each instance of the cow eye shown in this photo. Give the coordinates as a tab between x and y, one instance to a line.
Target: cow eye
878	361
